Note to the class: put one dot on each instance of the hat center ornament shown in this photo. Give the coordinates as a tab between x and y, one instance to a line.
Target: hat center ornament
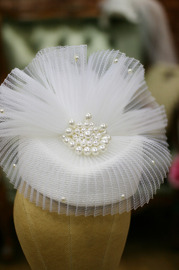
85	138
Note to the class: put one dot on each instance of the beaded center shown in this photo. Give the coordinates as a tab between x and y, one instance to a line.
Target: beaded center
86	138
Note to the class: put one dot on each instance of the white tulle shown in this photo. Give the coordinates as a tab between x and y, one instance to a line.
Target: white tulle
36	105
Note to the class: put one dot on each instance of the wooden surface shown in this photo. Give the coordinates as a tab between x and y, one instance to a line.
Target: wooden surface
43	9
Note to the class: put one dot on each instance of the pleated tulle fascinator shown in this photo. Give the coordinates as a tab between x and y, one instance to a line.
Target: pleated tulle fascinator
82	137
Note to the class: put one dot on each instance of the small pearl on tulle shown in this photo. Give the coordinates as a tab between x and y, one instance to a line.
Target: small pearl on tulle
123	196
63	199
86	138
130	70
153	162
76	57
1	110
14	165
116	61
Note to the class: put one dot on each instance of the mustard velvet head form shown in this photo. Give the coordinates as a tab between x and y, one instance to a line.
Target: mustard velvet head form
82	137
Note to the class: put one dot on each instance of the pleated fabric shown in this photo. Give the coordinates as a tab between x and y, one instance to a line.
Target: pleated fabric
59	84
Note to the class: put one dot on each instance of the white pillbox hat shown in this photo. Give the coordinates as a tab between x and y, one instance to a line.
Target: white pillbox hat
82	137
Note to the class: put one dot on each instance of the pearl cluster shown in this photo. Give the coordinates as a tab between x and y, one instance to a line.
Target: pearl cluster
86	138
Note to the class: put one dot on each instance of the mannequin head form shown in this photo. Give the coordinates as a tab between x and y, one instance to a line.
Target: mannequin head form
53	241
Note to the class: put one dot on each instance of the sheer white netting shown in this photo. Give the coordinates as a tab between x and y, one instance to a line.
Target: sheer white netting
36	105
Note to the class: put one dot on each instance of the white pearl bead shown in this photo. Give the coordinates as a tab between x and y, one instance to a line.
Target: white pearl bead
77	130
76	57
87	151
71	122
63	199
103	126
83	143
66	140
1	110
89	143
104	141
95	129
108	136
14	165
95	151
105	138
83	129
86	124
75	136
79	124
91	124
63	136
95	143
88	133
130	70
81	135
102	148
123	196
88	116
116	61
71	144
69	131
78	141
79	150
